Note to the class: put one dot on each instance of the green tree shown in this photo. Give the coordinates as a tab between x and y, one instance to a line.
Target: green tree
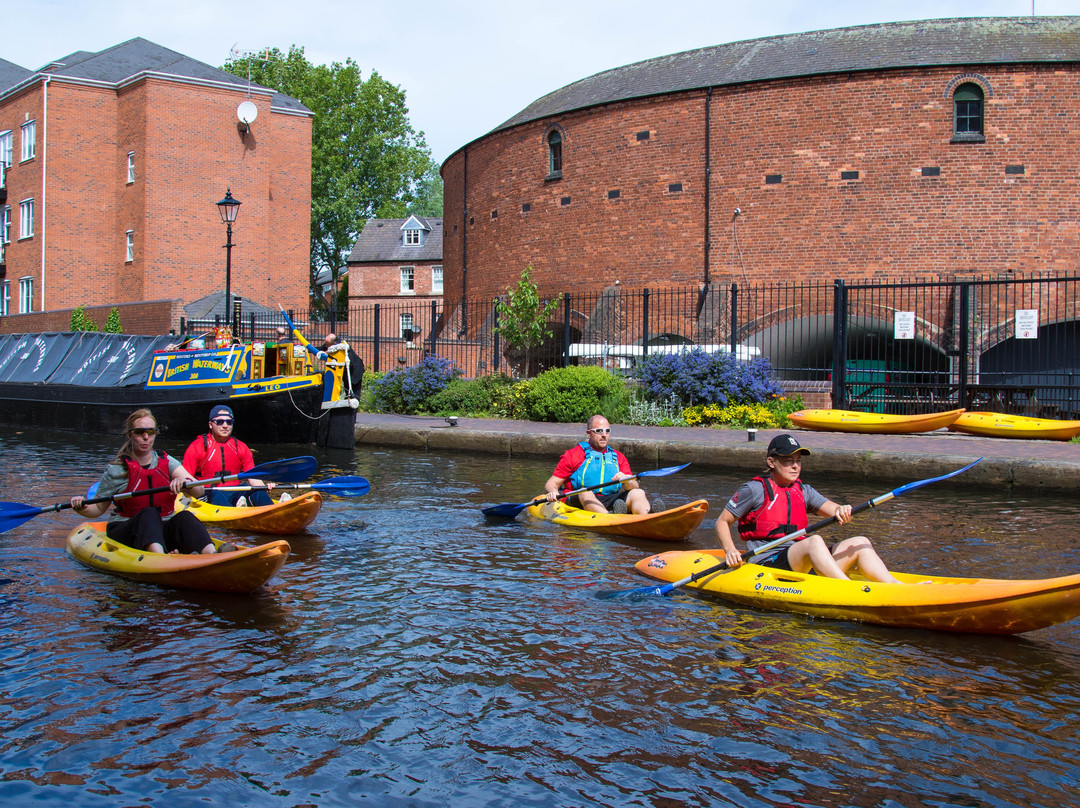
428	193
523	320
366	159
112	325
80	320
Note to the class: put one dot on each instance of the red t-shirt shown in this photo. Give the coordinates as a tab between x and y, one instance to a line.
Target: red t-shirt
575	456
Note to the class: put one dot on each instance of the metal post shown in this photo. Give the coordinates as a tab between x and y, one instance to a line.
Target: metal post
644	324
495	335
839	370
377	351
431	329
965	325
228	271
734	319
566	329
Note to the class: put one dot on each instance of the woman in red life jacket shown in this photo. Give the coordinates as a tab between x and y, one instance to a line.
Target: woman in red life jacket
776	504
147	522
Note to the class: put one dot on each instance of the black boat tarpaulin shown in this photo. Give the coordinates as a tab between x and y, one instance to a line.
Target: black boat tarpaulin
87	359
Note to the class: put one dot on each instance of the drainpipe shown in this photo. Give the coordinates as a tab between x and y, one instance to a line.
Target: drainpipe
44	174
708	174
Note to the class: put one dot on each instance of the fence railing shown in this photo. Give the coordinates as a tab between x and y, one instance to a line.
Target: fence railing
1008	345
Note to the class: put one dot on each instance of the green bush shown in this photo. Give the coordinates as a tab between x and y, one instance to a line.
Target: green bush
569	395
460	397
112	325
80	320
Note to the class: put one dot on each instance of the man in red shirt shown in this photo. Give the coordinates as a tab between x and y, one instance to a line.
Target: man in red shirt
219	452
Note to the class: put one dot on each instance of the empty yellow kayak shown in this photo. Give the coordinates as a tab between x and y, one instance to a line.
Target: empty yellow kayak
999	425
280	519
241	571
673	524
975	605
872	422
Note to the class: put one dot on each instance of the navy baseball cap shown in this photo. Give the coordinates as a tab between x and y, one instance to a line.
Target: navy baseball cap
784	446
220	409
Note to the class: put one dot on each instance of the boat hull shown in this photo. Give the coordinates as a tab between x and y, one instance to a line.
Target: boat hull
871	422
674	524
999	425
279	519
967	605
239	572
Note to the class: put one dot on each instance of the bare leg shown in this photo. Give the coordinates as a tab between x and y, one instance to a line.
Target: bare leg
589	502
812	552
858	552
637	502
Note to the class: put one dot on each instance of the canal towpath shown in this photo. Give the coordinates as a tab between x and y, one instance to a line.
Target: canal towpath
1036	466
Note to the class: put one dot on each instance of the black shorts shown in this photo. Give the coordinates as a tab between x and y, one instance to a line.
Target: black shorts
778	559
607	500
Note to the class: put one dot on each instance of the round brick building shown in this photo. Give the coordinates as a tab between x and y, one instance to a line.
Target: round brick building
895	151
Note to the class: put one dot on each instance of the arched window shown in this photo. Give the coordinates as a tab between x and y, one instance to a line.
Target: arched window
555	153
968	111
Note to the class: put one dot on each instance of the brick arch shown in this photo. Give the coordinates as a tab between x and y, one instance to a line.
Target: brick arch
969	78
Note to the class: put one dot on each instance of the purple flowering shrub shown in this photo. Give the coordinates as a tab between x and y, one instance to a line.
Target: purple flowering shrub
695	377
410	389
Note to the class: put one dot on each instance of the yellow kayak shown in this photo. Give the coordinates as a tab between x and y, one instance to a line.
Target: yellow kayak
999	425
872	422
241	571
975	605
281	518
674	524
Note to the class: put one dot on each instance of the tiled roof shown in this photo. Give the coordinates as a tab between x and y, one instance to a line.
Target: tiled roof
968	42
125	61
11	74
381	242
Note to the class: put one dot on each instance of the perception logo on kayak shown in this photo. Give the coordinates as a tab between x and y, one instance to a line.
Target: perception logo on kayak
659	563
780	590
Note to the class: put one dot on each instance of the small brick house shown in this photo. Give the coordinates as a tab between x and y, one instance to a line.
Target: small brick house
114	163
397	263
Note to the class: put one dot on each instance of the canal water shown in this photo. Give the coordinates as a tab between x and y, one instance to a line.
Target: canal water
411	653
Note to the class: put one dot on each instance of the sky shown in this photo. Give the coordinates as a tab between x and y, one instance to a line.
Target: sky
465	67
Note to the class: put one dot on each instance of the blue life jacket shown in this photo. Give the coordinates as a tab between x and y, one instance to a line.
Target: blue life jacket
599	467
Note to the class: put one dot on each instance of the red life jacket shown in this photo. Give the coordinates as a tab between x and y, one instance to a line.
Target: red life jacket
218	458
784	512
139	479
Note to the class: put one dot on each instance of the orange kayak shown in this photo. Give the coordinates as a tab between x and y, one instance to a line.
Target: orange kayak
973	605
872	422
674	524
242	571
999	425
280	519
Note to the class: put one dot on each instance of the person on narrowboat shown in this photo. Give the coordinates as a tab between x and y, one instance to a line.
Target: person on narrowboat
776	504
219	451
148	522
592	462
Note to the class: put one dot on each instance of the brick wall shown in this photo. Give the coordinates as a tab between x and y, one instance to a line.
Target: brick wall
149	317
631	207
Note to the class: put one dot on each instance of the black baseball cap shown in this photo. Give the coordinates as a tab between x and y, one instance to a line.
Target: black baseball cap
785	445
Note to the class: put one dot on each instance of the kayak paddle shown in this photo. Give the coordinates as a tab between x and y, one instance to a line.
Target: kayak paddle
338	486
510	510
664	589
13	514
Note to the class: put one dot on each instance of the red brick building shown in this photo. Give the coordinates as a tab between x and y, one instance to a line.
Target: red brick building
115	162
397	263
899	151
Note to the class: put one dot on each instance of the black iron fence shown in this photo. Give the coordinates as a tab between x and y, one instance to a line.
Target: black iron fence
1007	345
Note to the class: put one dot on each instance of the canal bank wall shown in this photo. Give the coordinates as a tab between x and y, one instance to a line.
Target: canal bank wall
1049	467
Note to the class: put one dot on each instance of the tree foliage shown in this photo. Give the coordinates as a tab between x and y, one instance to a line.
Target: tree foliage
81	321
523	317
366	159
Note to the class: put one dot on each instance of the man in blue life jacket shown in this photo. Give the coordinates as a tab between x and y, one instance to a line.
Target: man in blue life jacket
592	462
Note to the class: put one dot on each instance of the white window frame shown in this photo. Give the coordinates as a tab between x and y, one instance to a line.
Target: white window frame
405	321
130	245
26	294
7	145
5	225
29	140
131	167
26	218
408	280
412	238
5	299
436	280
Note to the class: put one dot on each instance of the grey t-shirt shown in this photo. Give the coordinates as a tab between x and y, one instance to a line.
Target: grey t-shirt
751	496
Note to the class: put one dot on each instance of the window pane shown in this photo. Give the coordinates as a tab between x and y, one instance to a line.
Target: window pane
436	281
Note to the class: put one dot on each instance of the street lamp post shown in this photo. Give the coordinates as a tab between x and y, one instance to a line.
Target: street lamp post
228	208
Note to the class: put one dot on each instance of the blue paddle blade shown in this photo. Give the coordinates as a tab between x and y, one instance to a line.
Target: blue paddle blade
507	510
292	470
13	514
344	486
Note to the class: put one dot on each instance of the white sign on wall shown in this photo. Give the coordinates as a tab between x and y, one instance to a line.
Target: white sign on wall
904	325
1027	323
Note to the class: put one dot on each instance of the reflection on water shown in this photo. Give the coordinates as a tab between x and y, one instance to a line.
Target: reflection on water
414	653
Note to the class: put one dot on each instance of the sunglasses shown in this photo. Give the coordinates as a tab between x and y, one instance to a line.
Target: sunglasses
222	421
604	430
143	431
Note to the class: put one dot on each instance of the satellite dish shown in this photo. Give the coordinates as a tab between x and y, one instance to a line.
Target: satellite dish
247	112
